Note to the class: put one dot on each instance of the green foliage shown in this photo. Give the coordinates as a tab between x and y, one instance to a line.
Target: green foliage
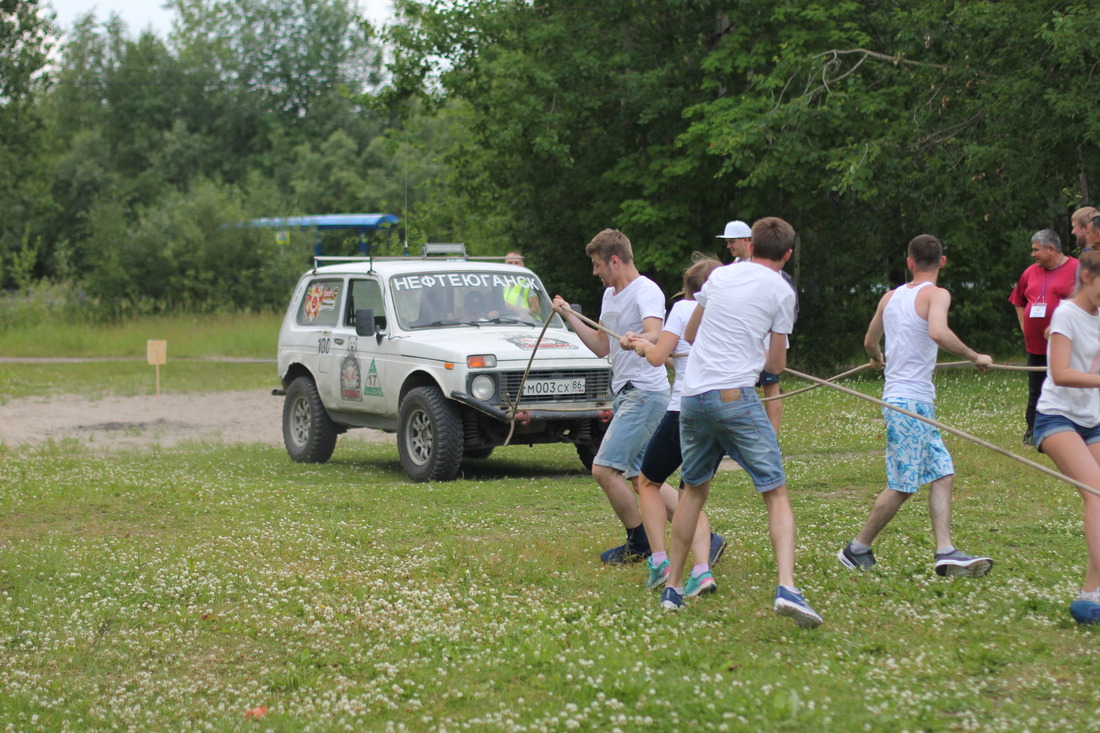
189	251
863	125
159	148
25	44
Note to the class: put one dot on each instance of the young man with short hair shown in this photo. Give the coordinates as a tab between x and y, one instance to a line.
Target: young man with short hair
633	307
913	319
1079	223
720	412
738	237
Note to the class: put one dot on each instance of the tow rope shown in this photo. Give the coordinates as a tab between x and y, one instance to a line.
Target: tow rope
935	423
948	429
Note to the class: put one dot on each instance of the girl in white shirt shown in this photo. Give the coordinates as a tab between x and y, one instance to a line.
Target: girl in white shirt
1067	419
662	456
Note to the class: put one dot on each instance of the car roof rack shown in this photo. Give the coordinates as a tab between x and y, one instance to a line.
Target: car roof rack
454	251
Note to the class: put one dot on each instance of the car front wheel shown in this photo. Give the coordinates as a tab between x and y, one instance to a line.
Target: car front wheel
429	435
308	432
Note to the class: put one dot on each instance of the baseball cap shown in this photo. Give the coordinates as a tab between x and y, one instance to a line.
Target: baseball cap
736	230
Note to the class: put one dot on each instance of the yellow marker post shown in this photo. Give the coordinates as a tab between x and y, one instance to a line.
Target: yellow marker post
157	353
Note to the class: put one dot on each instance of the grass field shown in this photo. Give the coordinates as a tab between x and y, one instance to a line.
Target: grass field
179	589
189	336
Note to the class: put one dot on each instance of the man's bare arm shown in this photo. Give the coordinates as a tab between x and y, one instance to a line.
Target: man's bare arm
595	339
872	340
945	338
776	360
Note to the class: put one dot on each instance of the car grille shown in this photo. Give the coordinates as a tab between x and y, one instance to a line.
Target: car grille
597	385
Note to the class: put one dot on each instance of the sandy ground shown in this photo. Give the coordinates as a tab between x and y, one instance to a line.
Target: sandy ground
127	422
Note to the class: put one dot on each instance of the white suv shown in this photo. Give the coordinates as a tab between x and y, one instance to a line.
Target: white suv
436	351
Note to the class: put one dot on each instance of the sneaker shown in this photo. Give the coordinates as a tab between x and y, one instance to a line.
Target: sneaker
1028	439
624	555
658	574
1085	612
699	584
792	604
856	560
671	600
957	564
1089	595
717	547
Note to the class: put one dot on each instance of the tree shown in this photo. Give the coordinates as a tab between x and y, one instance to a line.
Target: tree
25	31
862	124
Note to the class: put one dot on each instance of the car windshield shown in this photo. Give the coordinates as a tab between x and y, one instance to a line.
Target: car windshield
438	299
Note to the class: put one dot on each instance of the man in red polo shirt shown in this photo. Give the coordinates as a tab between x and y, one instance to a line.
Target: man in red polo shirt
1035	296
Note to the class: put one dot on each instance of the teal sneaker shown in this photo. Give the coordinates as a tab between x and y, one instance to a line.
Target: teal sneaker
658	574
699	584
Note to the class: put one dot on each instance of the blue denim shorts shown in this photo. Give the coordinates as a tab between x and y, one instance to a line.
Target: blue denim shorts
915	453
1047	425
637	413
739	428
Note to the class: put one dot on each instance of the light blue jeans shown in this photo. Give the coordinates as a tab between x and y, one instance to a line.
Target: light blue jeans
739	428
637	414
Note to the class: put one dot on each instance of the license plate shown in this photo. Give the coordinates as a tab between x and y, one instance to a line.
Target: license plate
554	386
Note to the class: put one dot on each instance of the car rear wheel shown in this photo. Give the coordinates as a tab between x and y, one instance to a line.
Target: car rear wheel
429	435
308	432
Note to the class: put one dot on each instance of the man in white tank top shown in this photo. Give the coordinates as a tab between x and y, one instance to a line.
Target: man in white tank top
913	319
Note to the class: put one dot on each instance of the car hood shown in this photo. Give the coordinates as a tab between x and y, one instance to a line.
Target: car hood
507	344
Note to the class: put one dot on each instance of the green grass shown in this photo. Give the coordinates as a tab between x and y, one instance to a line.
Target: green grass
177	589
188	335
97	379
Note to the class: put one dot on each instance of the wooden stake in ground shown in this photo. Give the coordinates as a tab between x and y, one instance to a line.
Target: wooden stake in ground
156	352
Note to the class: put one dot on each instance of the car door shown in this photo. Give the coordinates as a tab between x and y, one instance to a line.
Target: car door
360	383
317	316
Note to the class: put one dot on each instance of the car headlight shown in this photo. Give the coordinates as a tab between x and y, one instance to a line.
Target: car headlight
483	387
481	361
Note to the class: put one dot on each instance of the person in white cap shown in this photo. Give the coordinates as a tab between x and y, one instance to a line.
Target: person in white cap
738	238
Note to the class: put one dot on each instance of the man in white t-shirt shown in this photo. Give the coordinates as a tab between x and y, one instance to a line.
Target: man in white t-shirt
913	319
633	307
720	412
738	238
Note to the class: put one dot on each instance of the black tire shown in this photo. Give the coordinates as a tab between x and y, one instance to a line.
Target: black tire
308	432
429	435
587	451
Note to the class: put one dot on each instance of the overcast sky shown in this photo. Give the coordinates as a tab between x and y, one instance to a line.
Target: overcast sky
141	14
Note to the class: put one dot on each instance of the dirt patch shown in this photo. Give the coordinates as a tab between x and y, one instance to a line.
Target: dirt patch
128	422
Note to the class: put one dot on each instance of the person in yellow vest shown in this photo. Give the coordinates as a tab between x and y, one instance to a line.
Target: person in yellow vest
518	296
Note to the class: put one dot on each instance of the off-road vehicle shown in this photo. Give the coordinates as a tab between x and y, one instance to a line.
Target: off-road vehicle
437	351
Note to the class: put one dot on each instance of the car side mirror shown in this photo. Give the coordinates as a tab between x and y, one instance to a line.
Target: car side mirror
364	321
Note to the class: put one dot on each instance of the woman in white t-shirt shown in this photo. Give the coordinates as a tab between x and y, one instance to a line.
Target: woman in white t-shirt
662	456
1067	419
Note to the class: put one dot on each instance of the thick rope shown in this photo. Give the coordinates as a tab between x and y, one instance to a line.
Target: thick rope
1002	367
948	429
848	373
523	382
942	365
